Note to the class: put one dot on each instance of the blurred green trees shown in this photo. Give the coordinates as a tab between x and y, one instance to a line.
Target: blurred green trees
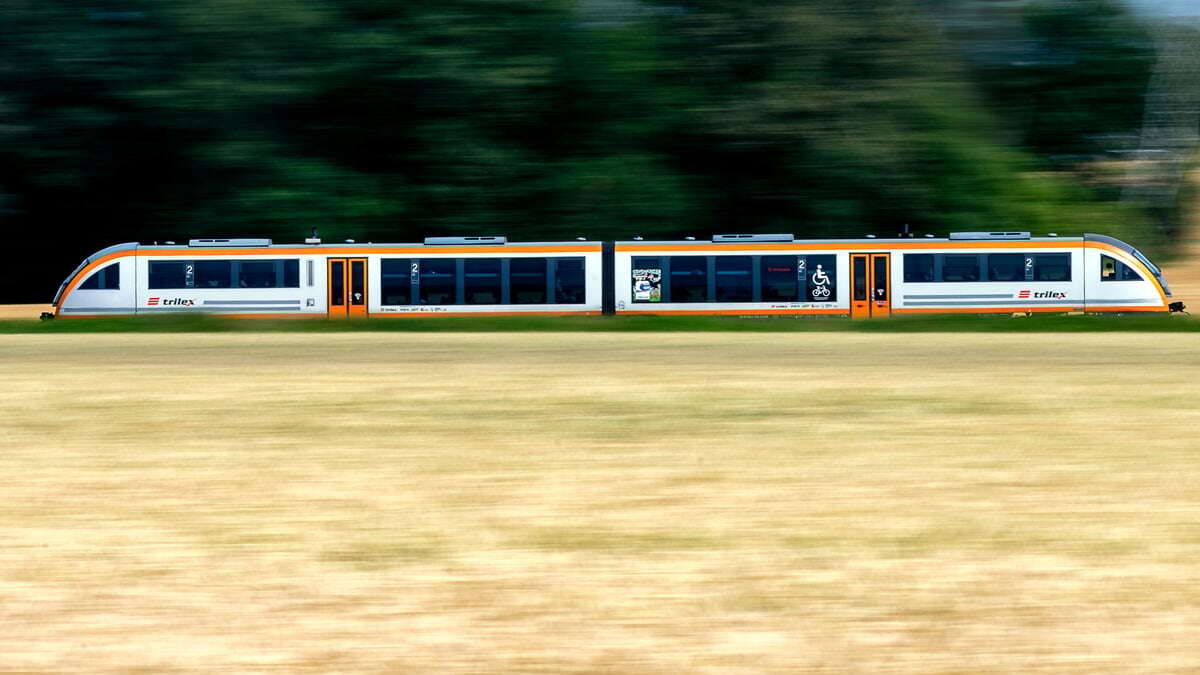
541	119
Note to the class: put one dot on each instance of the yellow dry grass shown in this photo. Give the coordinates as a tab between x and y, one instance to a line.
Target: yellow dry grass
598	502
23	311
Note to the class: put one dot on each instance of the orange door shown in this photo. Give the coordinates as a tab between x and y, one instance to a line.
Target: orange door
347	287
870	293
860	280
881	292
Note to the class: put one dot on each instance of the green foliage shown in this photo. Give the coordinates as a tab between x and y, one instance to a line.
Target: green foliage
535	119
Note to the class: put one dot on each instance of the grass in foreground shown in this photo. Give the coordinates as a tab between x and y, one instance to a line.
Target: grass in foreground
921	324
599	502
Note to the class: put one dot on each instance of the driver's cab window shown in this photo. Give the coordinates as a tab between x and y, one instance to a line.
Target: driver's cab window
1112	269
106	279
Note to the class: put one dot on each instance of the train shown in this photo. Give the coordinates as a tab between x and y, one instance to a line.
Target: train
729	274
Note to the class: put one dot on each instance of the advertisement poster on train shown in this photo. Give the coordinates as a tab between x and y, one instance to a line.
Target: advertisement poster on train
647	285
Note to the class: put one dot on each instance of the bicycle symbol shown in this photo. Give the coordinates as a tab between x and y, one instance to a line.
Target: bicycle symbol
821	281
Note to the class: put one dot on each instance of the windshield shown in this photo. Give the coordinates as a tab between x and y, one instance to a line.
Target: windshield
1154	270
1146	261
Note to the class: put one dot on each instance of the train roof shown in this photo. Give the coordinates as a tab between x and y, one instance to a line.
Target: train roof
267	244
434	242
867	240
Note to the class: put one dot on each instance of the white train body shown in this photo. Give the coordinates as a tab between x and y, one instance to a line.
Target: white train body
253	278
733	274
967	273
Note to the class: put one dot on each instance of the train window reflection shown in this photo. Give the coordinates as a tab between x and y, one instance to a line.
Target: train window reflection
107	278
569	283
438	281
481	281
1006	267
1052	267
395	281
960	268
779	276
735	280
918	267
527	281
689	278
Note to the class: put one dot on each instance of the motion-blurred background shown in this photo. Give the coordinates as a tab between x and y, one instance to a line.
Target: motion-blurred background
384	120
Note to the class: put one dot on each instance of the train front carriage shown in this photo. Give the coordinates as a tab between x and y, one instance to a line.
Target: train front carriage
967	272
256	278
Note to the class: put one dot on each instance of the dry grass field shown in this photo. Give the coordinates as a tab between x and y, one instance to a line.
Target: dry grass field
704	502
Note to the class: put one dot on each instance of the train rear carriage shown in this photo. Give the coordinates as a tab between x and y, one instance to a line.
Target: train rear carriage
256	278
970	272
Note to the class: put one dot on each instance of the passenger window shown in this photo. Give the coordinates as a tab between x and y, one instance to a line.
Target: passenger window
918	267
107	278
1006	267
960	268
395	281
527	281
167	275
860	278
438	281
256	274
1112	269
821	278
689	278
570	286
481	281
735	279
780	276
213	273
291	273
646	279
1052	267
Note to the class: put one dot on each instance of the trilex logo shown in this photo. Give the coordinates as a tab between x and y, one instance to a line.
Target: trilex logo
1041	295
180	302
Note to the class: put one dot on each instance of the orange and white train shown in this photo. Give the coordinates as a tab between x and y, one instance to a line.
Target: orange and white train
967	272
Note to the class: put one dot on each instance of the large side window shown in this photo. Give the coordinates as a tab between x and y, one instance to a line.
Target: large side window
527	281
257	274
396	281
107	278
268	274
570	284
291	272
735	278
1112	269
438	281
1052	267
918	267
689	278
781	276
166	274
481	281
820	272
214	274
960	268
1006	266
646	279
